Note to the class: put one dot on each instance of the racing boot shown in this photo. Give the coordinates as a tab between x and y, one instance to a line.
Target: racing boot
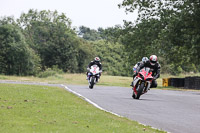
131	84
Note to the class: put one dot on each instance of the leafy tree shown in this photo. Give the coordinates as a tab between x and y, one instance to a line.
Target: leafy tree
112	34
51	36
138	40
16	58
114	59
88	34
108	47
178	35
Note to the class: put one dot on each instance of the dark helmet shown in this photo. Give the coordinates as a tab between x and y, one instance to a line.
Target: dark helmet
153	59
97	59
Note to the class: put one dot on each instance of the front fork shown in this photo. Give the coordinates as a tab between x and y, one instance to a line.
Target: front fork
134	89
146	85
136	83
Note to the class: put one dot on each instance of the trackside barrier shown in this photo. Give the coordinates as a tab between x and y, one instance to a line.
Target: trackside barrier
197	83
165	82
177	82
187	82
192	83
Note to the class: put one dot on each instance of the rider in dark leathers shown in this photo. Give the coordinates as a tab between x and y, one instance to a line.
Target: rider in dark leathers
97	62
144	59
154	65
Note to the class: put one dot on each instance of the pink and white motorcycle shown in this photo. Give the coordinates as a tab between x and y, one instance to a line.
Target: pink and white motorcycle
142	82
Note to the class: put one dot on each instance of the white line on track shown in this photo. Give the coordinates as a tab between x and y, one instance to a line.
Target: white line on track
88	100
97	106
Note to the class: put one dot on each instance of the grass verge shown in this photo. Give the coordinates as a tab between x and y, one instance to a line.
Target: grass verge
43	109
80	79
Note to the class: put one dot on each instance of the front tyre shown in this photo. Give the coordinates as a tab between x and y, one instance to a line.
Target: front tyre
140	90
133	96
92	83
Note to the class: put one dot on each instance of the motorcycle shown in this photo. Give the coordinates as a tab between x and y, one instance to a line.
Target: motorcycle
142	82
94	74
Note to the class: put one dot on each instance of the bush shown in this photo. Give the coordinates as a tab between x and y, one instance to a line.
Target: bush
50	72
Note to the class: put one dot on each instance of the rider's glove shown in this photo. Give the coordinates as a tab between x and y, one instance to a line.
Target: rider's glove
137	71
88	69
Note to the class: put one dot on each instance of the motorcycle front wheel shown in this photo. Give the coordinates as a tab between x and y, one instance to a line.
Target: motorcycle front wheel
140	90
133	96
92	82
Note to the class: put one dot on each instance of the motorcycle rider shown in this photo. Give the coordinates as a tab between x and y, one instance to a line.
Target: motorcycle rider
97	62
144	59
154	65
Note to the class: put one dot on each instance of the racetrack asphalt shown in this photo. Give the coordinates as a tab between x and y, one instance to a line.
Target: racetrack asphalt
168	110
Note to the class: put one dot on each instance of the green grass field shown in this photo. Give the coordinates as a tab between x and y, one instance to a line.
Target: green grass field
42	109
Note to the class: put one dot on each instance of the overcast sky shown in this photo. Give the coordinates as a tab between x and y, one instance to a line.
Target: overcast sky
90	13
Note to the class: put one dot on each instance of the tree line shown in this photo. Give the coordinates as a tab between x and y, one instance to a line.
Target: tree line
39	40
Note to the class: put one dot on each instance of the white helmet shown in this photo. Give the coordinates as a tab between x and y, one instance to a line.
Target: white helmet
153	59
97	59
144	59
